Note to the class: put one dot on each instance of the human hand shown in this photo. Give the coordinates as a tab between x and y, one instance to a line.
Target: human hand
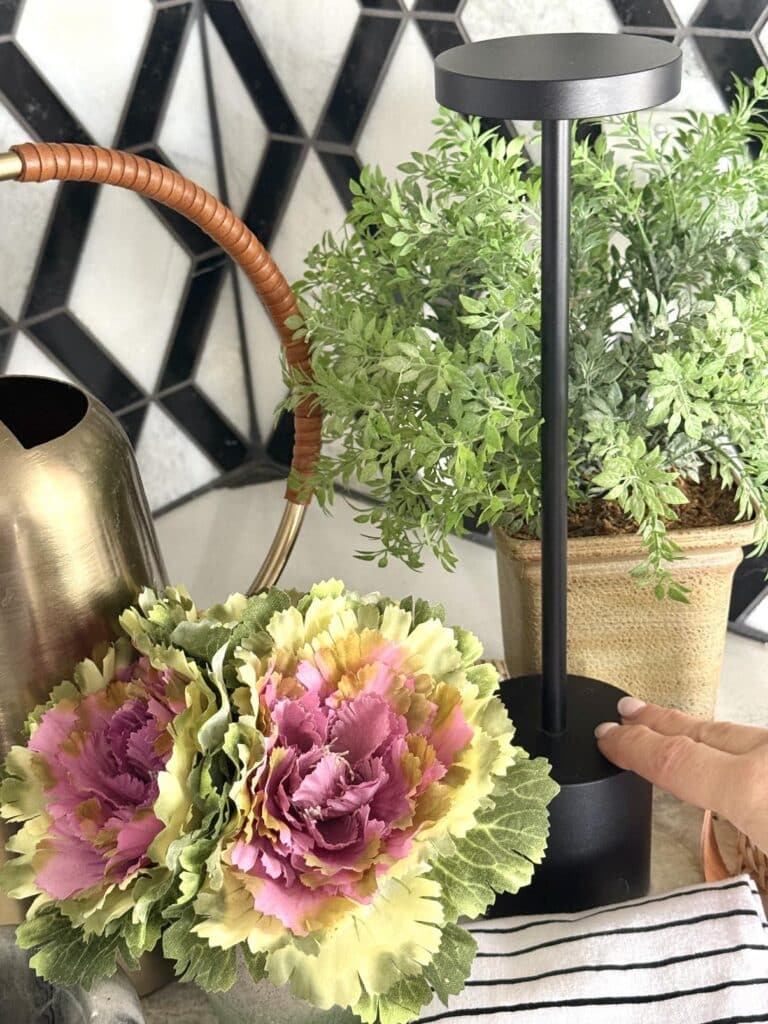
718	766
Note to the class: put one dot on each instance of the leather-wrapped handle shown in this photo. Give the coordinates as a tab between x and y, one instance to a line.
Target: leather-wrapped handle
71	162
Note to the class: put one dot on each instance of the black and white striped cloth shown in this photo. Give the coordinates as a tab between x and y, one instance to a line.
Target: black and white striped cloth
698	955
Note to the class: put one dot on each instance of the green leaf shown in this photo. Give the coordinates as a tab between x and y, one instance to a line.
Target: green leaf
200	639
214	970
64	955
449	970
499	854
255	962
471	305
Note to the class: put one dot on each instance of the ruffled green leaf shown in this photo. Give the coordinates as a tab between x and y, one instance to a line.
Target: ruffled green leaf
251	631
65	955
400	1005
445	976
202	639
155	617
499	854
214	970
255	963
448	972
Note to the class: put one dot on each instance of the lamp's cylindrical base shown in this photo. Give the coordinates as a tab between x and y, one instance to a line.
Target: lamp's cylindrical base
599	848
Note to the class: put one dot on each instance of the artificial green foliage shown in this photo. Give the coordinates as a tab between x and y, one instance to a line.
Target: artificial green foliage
245	688
424	329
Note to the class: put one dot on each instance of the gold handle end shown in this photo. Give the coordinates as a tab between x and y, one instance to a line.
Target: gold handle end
10	166
282	545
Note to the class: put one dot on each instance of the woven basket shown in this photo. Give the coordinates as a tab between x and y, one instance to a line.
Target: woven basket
741	856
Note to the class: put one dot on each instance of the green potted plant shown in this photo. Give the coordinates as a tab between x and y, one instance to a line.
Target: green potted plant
423	320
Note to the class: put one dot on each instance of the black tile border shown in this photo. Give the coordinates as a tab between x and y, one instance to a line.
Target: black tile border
723	55
273	187
9	11
740	16
74	348
65	239
33	100
381	5
202	422
368	55
646	13
255	71
340	168
439	6
132	422
200	298
162	50
440	35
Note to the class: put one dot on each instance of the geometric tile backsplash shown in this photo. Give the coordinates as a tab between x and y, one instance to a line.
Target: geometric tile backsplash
272	105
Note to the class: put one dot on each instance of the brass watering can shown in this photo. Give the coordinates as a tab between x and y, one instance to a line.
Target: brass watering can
76	537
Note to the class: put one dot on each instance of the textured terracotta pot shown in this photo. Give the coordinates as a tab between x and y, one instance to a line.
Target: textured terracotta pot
661	651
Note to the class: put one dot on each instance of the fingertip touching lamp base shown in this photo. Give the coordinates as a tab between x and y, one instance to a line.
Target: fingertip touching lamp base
599	848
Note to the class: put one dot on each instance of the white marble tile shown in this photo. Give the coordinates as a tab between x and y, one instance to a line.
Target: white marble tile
129	283
88	51
305	43
763	37
314	208
185	133
485	19
170	464
220	373
698	91
25	211
27	359
244	135
686	9
400	121
264	358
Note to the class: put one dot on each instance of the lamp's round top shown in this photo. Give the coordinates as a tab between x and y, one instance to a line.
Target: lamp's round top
558	76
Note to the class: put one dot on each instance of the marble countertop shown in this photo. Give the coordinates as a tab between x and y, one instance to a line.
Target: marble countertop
232	527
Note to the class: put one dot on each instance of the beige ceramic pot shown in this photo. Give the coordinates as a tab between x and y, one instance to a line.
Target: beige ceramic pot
660	651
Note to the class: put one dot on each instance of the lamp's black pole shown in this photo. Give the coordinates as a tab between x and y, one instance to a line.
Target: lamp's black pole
600	821
555	235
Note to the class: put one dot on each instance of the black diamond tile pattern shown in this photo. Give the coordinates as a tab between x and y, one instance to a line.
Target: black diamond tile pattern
725	56
645	13
8	11
161	52
728	14
365	61
359	107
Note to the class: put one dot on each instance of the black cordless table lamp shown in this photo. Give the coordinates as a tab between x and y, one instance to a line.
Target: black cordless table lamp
600	822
